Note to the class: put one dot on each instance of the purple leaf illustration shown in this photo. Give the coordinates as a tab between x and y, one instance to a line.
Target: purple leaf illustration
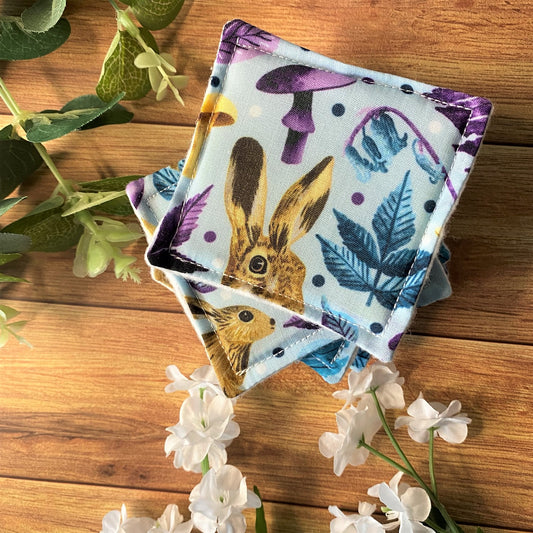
188	215
297	322
471	122
202	288
238	32
135	191
336	322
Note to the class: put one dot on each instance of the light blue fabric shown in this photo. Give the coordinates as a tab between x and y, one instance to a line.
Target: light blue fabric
316	193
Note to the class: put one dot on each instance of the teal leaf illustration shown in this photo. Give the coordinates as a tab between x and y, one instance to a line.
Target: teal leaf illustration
435	171
347	268
393	222
358	240
18	43
324	360
398	263
361	359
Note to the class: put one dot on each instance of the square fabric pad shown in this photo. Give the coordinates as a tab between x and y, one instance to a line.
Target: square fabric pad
310	207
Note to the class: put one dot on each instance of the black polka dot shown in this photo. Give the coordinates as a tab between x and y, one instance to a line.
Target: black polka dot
338	110
368	80
429	206
278	352
376	327
215	81
407	89
318	280
304	49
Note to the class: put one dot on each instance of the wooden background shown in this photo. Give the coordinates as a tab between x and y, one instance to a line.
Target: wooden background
83	414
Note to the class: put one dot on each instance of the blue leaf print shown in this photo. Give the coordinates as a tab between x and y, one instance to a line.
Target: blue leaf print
324	360
394	220
385	132
338	322
358	240
342	263
363	167
436	171
398	263
165	181
361	359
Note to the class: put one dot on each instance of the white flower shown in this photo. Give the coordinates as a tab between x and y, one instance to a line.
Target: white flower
205	428
380	376
407	506
118	522
352	424
361	522
218	500
202	378
171	521
449	422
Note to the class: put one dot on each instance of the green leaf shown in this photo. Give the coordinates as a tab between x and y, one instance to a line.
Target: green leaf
119	73
118	207
18	43
42	15
18	159
156	14
260	522
48	230
108	184
50	203
7	313
12	243
7	258
43	127
5	278
7	204
115	115
87	200
5	133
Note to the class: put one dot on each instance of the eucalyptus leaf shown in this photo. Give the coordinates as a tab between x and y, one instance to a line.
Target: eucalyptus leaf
119	73
42	15
118	207
18	43
13	243
156	15
260	521
43	127
6	278
108	184
48	230
8	203
87	200
5	133
7	258
50	203
115	115
18	159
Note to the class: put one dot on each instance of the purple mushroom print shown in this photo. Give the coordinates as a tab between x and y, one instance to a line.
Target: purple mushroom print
301	81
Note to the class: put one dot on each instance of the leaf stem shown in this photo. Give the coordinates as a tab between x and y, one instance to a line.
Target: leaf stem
431	462
8	100
386	458
434	526
66	189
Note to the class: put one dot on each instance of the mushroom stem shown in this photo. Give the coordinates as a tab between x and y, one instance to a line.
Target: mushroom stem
299	120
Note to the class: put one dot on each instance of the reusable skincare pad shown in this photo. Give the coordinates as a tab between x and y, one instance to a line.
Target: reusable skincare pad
307	220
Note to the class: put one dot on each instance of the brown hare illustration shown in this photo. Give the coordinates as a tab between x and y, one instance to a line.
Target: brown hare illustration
265	264
237	327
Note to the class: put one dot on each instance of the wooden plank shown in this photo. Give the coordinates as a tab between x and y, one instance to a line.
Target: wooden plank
484	51
87	405
491	233
49	507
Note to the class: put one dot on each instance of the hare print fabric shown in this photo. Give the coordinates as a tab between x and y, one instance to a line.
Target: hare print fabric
311	207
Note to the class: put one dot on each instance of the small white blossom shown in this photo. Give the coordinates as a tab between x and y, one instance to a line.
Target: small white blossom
407	506
118	522
205	429
171	521
343	446
450	423
380	376
361	522
218	500
202	378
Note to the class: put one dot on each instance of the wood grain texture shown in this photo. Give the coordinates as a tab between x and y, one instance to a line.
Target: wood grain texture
95	412
481	47
83	414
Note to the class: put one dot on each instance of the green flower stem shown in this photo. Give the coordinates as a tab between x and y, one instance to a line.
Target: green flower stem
8	100
434	526
386	458
66	189
410	469
205	465
431	462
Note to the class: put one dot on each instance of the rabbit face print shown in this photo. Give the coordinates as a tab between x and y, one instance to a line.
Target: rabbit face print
265	264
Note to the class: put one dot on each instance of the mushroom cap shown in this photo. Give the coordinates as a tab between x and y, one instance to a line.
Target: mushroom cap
221	108
299	78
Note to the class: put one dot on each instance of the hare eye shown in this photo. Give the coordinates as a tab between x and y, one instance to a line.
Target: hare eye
258	264
245	316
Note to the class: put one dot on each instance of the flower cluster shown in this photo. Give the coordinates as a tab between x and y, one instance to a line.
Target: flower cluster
413	509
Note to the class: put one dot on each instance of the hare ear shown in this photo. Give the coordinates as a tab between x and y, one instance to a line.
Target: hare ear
301	205
200	308
246	190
